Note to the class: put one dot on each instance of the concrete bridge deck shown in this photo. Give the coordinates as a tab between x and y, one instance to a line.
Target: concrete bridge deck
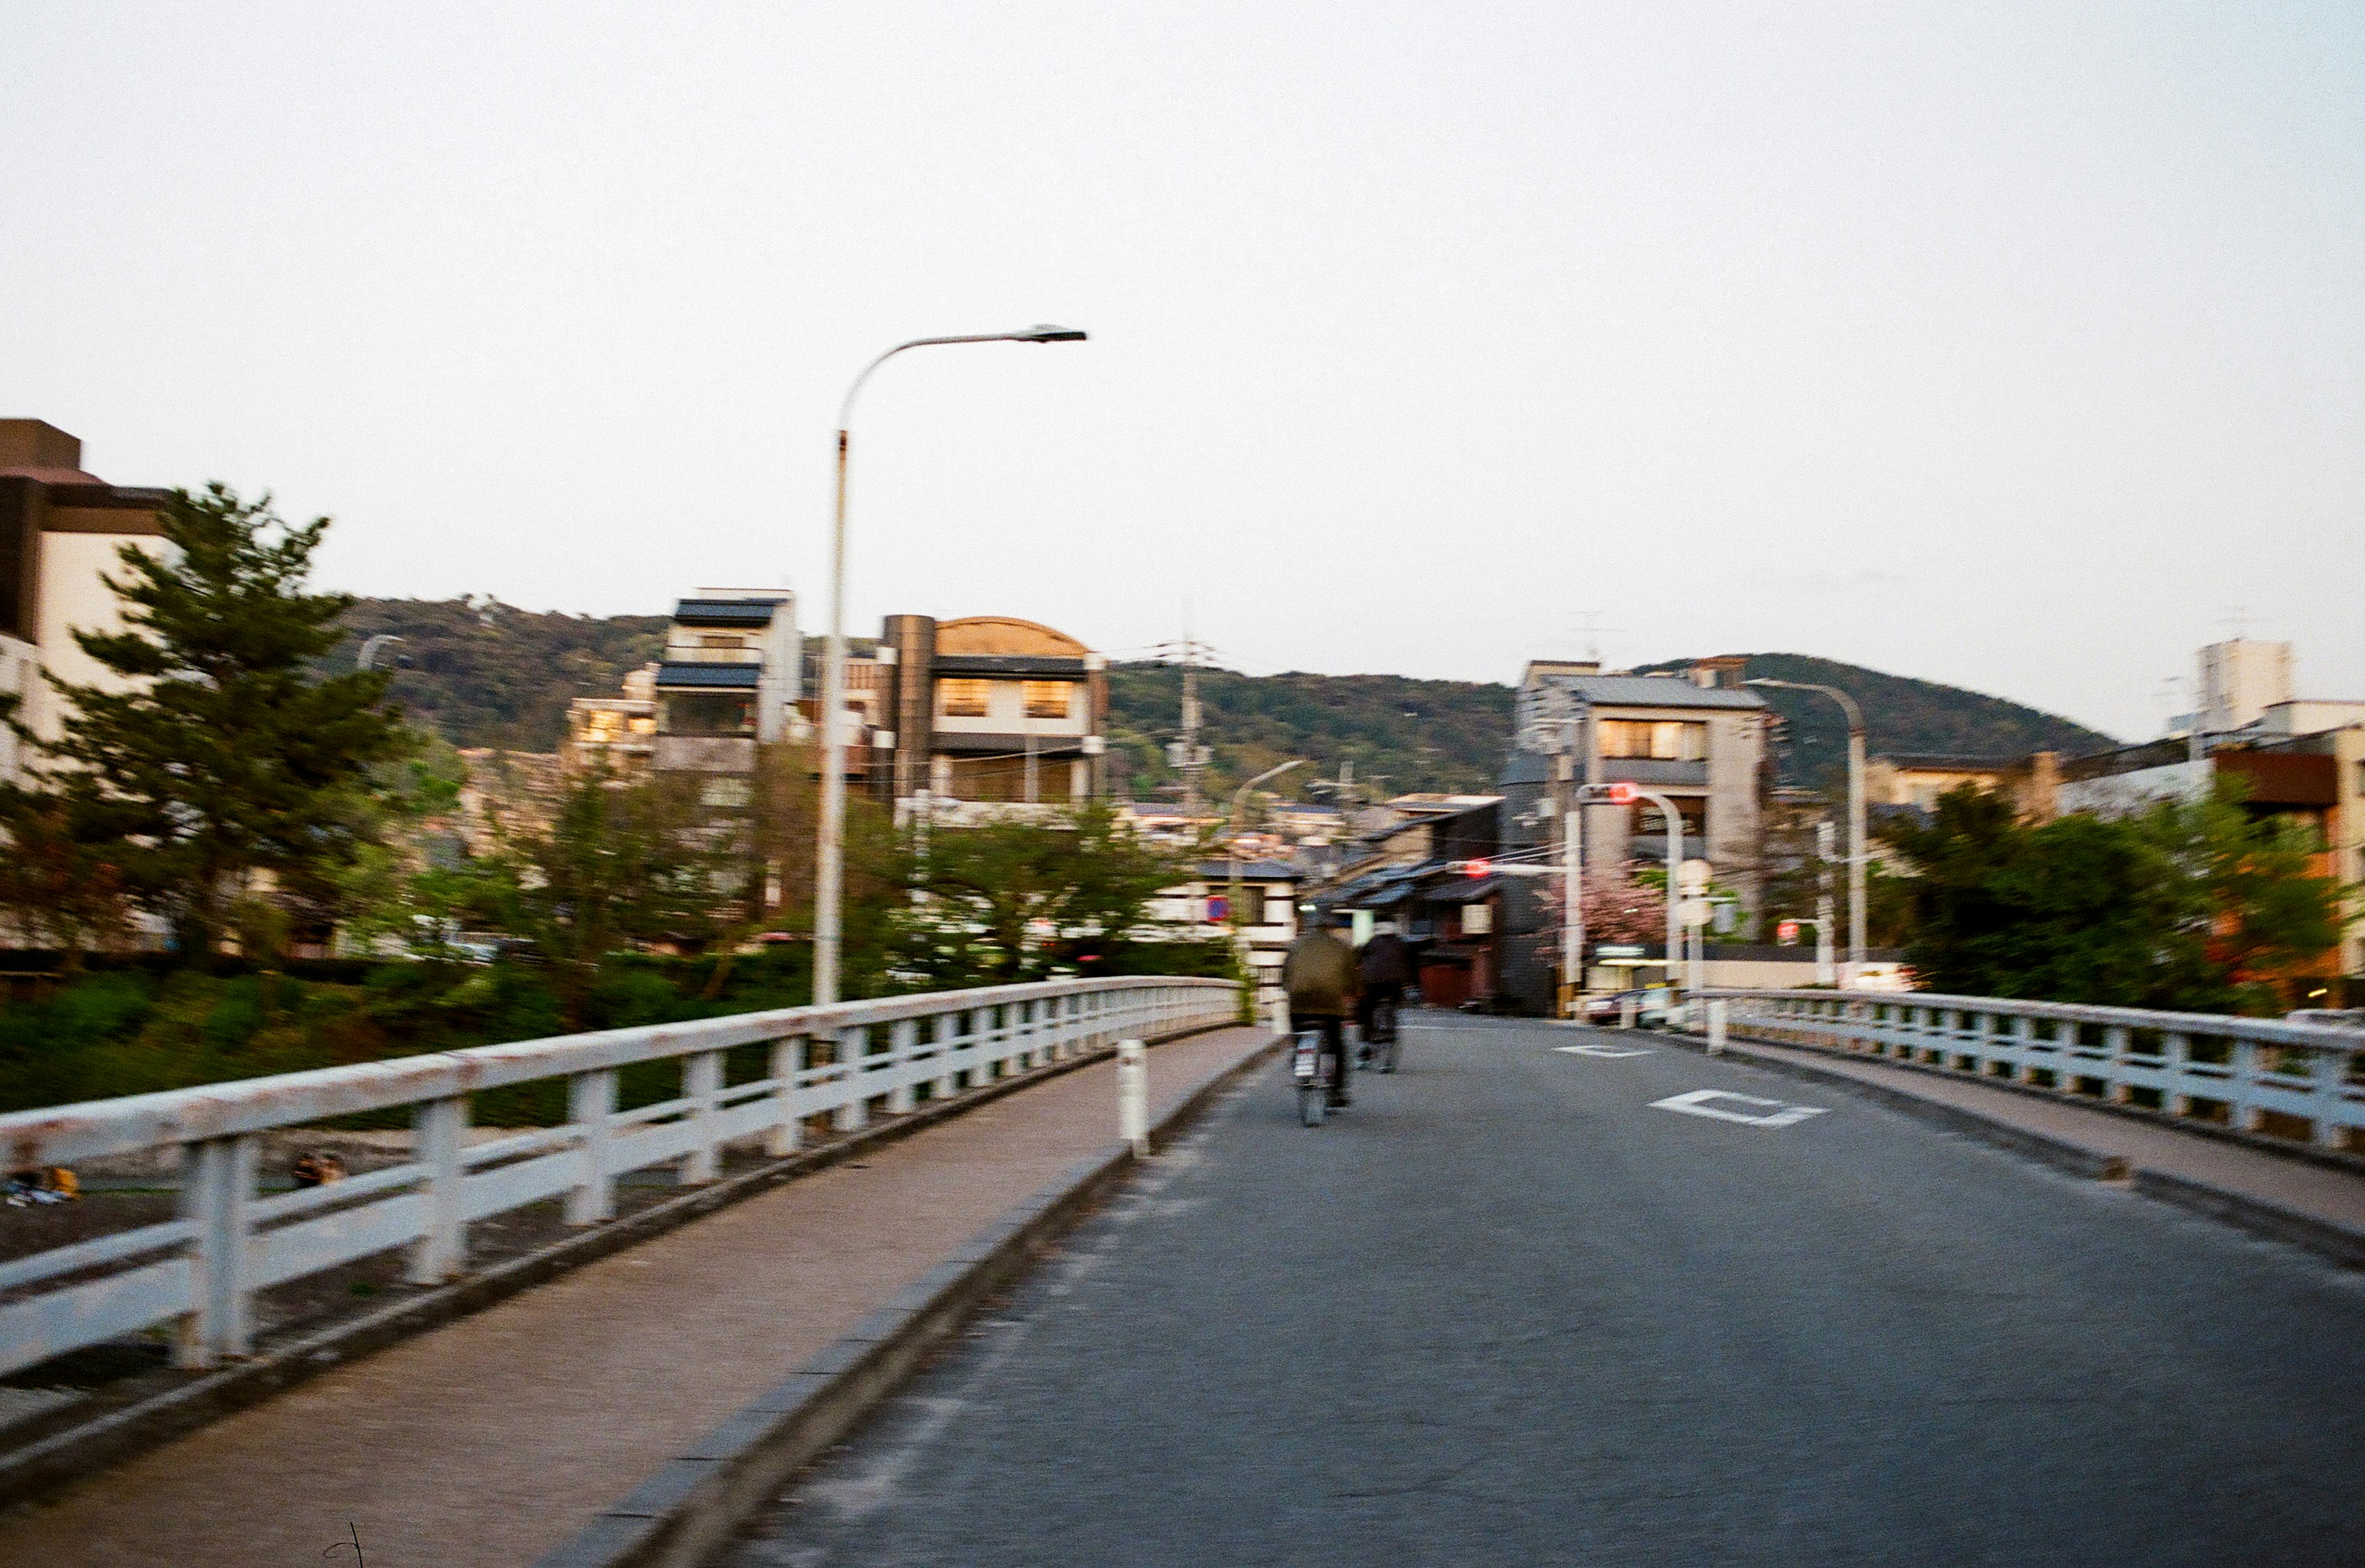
489	1441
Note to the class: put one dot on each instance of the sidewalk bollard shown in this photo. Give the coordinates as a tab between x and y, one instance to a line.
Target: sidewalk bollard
1626	1010
1715	1027
1133	1097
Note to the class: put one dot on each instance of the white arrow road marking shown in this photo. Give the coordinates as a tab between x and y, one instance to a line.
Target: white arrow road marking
1777	1114
1607	1053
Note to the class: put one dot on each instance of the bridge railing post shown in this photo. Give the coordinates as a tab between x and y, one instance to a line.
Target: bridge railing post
904	1048
216	1186
591	1102
852	1046
786	1131
702	1081
439	1137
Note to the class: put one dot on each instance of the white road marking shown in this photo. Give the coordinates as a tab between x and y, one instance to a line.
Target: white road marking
1696	1103
1607	1053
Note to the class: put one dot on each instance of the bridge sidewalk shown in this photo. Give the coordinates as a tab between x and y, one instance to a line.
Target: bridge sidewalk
2325	1194
493	1440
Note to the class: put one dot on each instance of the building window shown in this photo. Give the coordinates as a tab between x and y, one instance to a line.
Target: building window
710	715
722	640
1660	740
1048	699
964	699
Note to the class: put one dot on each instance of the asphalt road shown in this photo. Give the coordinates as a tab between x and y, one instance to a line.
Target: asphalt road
1506	1310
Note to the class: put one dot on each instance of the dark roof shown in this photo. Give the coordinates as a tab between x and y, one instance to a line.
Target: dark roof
1525	767
725	611
1007	663
1464	890
708	678
1651	692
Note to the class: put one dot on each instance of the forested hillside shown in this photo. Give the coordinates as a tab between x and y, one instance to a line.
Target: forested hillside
1901	715
484	673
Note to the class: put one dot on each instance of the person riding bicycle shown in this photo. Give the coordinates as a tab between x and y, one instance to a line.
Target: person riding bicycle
1320	977
1386	968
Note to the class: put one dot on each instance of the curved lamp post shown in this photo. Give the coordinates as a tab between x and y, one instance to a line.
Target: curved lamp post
1240	803
829	874
1853	973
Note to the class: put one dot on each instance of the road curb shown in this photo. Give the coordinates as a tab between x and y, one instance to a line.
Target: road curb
693	1503
2334	1242
2337	1243
65	1456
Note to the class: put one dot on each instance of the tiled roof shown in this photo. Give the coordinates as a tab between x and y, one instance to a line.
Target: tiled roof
725	611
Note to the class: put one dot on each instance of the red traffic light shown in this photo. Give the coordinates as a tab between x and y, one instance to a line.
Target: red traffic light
1622	794
1471	867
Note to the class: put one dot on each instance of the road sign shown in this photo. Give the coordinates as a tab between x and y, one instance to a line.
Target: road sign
1787	933
1691	877
1220	907
1618	950
1693	913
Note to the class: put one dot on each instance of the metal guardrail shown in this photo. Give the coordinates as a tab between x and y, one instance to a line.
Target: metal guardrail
202	1270
2254	1075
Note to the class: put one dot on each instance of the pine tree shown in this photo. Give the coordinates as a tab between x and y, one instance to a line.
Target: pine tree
222	756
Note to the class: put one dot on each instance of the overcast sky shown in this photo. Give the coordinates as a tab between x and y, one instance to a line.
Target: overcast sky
2012	346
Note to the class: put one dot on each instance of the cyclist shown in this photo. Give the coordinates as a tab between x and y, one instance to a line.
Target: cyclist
1321	977
1385	969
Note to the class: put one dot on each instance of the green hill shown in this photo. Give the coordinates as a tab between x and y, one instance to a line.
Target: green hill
484	673
1901	715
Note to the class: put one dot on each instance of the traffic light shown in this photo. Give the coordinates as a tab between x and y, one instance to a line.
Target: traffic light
1623	794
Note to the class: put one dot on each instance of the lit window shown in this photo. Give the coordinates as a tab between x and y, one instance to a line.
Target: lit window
963	699
1048	699
645	725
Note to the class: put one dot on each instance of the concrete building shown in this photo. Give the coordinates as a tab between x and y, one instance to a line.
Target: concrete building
984	711
2239	681
1917	781
728	681
1700	739
614	734
60	529
1201	909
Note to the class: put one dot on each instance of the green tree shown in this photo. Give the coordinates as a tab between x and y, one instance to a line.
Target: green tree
618	865
1011	899
2188	906
222	755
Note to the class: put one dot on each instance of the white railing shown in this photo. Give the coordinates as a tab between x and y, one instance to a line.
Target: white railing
201	1271
2303	1081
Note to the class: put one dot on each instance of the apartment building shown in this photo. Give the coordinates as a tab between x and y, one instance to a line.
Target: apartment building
984	711
1698	738
728	681
60	529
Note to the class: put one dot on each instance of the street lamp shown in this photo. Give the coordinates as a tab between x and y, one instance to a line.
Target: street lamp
830	867
1855	972
1240	805
370	648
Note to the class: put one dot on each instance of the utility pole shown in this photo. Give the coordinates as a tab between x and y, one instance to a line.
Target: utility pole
1187	757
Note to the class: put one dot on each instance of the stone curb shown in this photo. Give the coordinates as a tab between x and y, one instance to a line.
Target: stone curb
2327	1240
679	1516
74	1452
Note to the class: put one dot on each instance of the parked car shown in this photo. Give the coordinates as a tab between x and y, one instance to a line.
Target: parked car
1649	1007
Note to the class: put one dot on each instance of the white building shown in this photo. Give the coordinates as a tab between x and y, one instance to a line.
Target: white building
60	529
2240	680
